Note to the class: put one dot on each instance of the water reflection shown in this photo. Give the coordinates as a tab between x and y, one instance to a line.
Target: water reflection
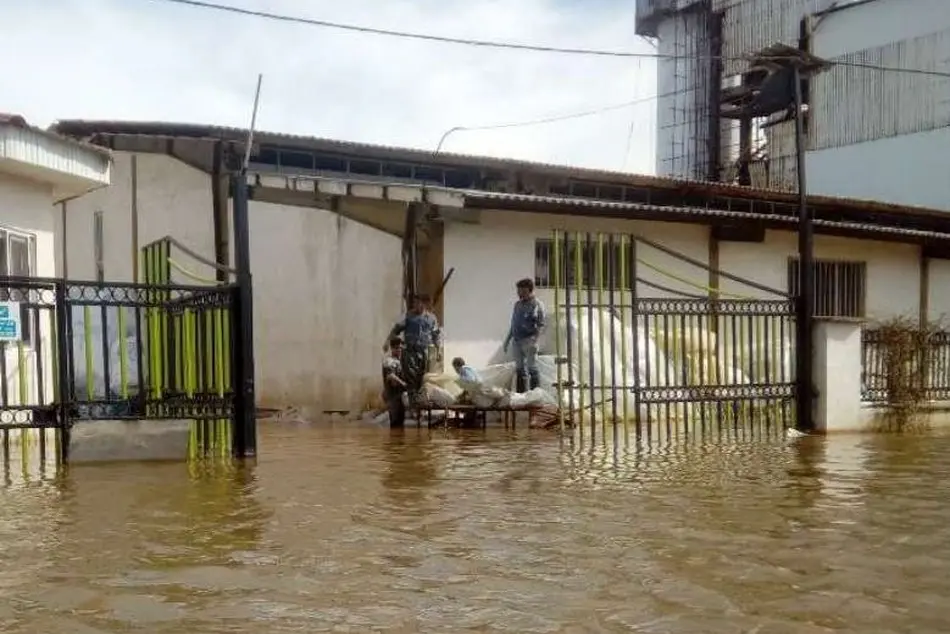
362	529
410	464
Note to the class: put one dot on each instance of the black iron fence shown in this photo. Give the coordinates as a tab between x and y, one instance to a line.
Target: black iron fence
649	349
73	351
898	361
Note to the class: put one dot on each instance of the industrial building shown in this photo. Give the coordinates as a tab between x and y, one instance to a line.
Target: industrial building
876	122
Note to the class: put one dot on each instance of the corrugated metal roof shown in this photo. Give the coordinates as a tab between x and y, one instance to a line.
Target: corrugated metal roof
480	199
87	128
19	122
571	203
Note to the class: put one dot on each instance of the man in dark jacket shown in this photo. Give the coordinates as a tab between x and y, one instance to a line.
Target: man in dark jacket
527	323
420	329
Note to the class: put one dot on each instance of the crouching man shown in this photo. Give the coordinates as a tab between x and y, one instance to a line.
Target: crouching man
393	383
527	324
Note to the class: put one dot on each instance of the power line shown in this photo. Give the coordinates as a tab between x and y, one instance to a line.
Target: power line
405	34
507	45
554	118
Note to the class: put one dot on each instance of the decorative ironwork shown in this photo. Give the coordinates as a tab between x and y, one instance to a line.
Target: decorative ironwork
118	351
755	307
698	394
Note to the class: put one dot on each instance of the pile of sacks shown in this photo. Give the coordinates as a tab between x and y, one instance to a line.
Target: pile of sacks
494	390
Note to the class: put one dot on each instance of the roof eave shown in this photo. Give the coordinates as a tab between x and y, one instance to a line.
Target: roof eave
709	217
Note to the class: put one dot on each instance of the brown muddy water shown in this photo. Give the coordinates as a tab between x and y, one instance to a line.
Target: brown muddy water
358	529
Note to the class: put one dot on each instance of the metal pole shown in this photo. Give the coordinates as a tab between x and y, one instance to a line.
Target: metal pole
245	420
64	376
250	130
804	358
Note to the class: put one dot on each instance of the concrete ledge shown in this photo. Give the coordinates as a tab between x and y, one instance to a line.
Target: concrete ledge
122	440
934	415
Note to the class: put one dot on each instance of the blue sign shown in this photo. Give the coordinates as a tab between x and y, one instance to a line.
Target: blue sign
10	321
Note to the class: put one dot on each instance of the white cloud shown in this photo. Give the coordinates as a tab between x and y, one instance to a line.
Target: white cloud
152	60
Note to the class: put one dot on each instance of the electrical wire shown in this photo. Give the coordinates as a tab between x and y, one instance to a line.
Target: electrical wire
508	45
551	119
406	34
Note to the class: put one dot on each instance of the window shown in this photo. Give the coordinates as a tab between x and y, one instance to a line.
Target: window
397	170
370	168
295	161
98	246
544	263
840	287
18	259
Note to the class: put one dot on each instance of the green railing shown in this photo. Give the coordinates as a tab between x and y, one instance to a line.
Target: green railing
189	351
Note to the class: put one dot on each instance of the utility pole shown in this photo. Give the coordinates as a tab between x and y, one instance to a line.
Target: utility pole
772	87
804	319
245	399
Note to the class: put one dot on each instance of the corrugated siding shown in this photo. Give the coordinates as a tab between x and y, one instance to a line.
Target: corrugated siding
783	166
683	111
853	105
751	25
45	152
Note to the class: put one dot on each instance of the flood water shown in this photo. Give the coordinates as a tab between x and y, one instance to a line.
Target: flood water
359	529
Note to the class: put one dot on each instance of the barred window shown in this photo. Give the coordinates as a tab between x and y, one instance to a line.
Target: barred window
840	287
544	264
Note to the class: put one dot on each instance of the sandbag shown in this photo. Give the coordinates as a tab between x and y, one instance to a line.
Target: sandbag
487	397
446	382
435	396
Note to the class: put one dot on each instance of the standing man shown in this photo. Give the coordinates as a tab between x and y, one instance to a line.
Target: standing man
527	323
393	384
420	329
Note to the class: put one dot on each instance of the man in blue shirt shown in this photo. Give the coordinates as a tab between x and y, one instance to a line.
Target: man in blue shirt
527	323
420	329
467	374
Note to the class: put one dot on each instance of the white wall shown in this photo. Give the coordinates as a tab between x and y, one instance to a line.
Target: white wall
893	278
173	199
488	259
910	169
326	290
25	206
938	300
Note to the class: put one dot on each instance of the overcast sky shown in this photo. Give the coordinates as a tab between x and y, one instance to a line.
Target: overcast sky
152	60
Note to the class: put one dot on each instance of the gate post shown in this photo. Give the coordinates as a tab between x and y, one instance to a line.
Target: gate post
64	355
244	419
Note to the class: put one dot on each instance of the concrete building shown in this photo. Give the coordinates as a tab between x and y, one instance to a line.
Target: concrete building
871	134
338	228
37	169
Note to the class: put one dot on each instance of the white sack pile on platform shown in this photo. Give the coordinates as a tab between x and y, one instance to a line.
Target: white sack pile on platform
494	390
